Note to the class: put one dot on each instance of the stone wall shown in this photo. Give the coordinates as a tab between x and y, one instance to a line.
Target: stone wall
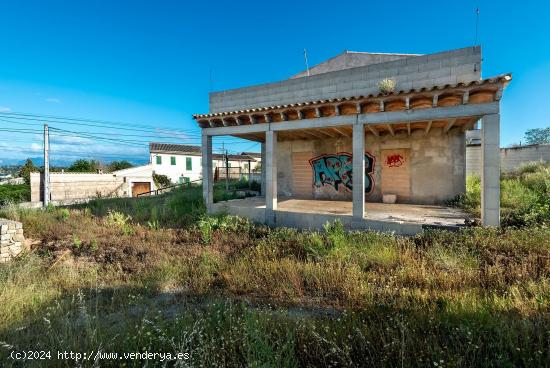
510	158
436	167
450	67
11	239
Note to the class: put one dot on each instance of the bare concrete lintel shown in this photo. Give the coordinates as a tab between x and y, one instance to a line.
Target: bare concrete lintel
388	117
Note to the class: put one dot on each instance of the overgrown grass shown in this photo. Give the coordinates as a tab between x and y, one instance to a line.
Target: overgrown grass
524	196
125	275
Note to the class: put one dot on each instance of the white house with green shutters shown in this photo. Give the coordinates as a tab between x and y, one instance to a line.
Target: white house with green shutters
182	163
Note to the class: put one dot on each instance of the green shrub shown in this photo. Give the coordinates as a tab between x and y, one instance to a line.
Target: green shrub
225	223
335	233
117	219
524	196
387	86
254	185
515	195
63	214
161	181
14	194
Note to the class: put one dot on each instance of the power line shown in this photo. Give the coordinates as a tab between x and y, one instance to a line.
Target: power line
118	134
103	122
40	120
188	138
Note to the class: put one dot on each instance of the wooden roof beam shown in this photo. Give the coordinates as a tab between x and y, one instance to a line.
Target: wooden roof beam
409	128
313	134
469	125
390	128
326	132
373	130
449	125
344	134
428	127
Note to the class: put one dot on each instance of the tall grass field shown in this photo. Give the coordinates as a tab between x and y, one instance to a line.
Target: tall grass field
156	275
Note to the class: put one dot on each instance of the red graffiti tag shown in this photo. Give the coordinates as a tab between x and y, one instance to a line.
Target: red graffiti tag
395	160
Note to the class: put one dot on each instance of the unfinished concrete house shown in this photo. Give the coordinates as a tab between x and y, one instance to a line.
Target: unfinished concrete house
407	142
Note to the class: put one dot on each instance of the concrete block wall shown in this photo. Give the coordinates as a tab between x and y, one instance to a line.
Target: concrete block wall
351	59
437	169
74	186
11	239
510	158
449	67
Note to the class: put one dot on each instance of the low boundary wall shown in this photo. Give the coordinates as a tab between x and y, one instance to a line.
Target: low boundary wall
11	239
510	158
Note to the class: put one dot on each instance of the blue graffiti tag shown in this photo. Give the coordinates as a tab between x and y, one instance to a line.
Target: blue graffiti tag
337	170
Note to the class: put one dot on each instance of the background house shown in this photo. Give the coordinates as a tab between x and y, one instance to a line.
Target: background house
182	163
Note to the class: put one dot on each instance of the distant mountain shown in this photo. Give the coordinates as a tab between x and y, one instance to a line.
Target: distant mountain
39	161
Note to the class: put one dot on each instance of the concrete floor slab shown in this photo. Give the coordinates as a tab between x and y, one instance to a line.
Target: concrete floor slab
398	213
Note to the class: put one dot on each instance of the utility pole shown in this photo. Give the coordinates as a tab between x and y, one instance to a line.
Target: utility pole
226	160
226	171
307	65
46	166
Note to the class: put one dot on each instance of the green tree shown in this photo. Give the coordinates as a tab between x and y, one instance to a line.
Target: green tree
84	166
538	135
119	165
26	170
161	181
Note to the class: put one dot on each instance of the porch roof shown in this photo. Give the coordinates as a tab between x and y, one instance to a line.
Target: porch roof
485	91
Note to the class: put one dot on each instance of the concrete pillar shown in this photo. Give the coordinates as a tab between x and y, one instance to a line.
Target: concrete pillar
270	176
490	170
207	172
358	172
263	169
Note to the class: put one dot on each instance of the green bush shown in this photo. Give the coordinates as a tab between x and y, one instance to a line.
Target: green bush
161	181
14	194
254	185
524	196
207	224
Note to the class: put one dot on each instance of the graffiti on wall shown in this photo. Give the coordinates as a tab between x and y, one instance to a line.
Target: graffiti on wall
395	160
336	170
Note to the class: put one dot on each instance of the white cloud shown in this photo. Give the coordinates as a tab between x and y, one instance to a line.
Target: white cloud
36	147
53	100
4	109
174	133
69	140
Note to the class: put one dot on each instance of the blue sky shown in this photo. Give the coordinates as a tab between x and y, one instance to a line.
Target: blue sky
153	63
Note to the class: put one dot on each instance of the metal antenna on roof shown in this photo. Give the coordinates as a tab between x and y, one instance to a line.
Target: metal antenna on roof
477	25
305	58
